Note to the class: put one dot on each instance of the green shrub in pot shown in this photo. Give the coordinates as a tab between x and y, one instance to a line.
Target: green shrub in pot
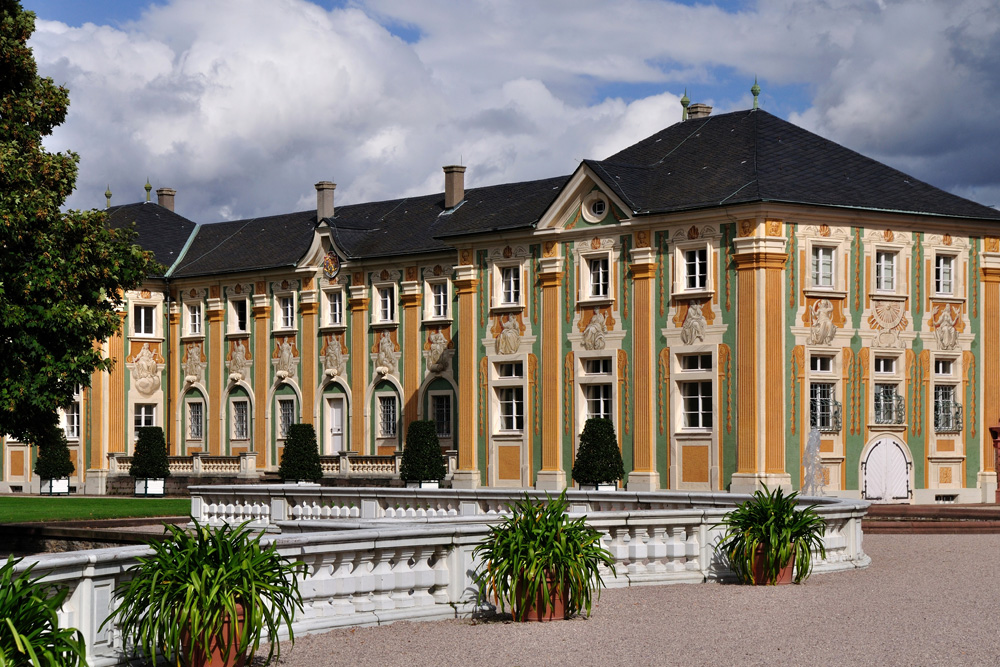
598	459
150	459
767	533
422	460
300	455
198	580
53	460
538	552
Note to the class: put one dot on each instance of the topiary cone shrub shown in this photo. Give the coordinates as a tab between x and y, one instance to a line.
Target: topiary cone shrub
150	458
598	459
300	458
53	461
422	460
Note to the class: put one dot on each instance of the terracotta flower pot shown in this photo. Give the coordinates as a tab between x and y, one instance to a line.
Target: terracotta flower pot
532	609
217	648
760	577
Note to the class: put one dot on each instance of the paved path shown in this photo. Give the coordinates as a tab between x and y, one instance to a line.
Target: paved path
925	600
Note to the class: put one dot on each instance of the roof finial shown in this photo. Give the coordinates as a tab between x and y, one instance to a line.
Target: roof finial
755	90
148	189
684	103
107	195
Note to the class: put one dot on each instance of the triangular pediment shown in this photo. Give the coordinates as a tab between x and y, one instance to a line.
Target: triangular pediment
585	201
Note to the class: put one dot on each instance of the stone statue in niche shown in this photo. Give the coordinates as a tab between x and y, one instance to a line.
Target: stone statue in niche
437	361
595	331
944	331
238	361
694	325
509	339
194	365
822	330
333	360
386	358
286	359
145	372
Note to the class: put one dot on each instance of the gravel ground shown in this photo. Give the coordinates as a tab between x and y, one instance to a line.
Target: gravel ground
925	600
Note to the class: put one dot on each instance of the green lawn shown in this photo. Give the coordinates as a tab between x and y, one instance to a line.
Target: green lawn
35	508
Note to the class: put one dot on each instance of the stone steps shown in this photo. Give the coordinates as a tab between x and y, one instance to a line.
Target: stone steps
932	519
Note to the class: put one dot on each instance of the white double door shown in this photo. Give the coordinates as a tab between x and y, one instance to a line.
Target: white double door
334	440
886	472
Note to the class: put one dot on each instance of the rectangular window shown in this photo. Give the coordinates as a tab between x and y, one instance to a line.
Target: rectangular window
819	364
145	415
943	366
510	369
600	366
822	266
441	407
439	300
885	365
510	285
240	315
286	416
696	362
336	308
287	312
697	397
598	400
241	420
511	408
195	421
386	304
944	271
889	406
387	416
885	271
142	317
824	410
73	421
194	319
947	412
696	268
599	277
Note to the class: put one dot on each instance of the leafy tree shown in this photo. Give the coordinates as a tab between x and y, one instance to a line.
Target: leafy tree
53	460
598	460
62	274
150	459
422	460
300	458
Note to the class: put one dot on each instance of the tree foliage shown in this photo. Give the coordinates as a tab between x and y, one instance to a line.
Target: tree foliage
422	460
300	457
62	274
53	460
598	460
150	459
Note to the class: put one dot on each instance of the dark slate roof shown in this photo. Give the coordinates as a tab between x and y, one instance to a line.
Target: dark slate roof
248	245
158	229
417	224
754	156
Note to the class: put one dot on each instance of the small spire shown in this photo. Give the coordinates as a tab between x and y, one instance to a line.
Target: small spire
148	188
684	103
107	195
755	90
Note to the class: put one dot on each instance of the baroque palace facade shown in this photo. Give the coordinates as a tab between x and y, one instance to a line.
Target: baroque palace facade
719	290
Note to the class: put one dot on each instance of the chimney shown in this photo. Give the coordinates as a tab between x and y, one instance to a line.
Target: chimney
698	111
324	200
165	198
454	186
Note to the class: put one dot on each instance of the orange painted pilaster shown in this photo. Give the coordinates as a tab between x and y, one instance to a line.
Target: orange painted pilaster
991	362
551	357
215	388
643	476
261	353
774	416
359	366
173	378
465	287
98	417
410	299
117	441
309	313
746	367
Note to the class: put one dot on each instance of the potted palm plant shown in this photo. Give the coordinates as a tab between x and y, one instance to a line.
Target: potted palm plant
29	622
207	596
768	540
300	457
53	464
540	563
422	465
150	465
598	465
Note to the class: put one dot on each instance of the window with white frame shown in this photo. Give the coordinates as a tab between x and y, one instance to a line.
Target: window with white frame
696	400
438	299
889	406
822	266
286	312
510	285
597	385
511	404
885	365
334	308
145	415
286	416
696	269
196	420
944	274
944	367
599	275
510	369
385	303
824	409
598	400
821	364
597	366
696	362
72	414
441	411
143	320
387	416
947	410
885	270
194	319
241	419
238	316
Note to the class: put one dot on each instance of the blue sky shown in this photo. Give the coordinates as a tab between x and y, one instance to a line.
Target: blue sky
241	105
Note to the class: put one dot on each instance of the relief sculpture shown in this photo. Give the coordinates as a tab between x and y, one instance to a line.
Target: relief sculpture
509	338
822	330
694	325
595	332
944	331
